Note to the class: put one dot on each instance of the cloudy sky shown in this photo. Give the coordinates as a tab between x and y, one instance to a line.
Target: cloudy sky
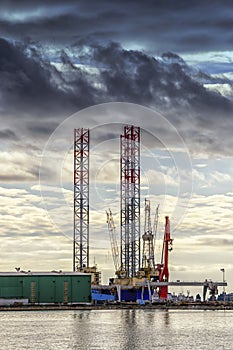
165	66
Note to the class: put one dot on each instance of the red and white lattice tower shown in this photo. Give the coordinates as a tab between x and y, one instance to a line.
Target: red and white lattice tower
130	200
81	199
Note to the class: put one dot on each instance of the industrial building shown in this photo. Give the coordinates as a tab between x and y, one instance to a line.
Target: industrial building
45	287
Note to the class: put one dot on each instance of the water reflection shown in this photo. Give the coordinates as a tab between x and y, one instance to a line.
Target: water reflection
129	328
166	318
82	331
117	330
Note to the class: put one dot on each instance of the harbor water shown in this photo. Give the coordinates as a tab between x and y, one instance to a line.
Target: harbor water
116	329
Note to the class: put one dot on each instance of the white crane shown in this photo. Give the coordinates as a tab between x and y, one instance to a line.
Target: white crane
114	245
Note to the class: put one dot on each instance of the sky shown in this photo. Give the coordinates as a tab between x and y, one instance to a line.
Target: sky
165	66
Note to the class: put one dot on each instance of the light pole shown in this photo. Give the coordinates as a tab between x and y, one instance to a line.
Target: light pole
223	279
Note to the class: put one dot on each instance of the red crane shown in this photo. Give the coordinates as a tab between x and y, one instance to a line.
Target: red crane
163	267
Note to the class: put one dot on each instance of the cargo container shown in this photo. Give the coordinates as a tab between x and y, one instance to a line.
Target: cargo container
46	287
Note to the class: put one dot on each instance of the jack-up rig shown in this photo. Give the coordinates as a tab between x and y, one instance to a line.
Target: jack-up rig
131	269
134	271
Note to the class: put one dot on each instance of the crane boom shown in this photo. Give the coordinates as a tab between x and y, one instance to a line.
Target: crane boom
156	221
113	240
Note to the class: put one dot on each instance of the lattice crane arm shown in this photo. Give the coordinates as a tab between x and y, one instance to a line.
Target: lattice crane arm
113	239
156	221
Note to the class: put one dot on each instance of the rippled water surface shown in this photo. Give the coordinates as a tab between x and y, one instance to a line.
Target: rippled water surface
117	329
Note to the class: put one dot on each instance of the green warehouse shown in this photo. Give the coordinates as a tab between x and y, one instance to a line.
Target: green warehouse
45	287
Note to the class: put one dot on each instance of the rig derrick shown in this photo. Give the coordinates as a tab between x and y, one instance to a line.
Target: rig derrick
130	200
81	205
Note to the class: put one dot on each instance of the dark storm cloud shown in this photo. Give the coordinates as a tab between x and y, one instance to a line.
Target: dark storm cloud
166	83
30	85
8	134
158	25
24	81
41	129
42	93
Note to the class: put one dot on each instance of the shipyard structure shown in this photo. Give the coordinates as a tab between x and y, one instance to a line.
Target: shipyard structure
138	275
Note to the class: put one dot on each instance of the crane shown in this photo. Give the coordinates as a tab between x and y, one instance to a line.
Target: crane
114	245
156	221
163	267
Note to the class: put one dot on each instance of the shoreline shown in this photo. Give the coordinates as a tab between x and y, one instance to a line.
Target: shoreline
122	306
